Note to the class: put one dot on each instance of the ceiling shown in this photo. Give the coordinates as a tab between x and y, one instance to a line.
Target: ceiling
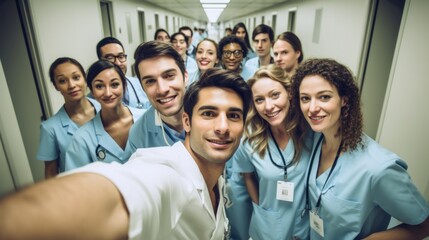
234	9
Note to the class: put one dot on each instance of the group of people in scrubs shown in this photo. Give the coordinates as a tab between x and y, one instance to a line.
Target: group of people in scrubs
304	168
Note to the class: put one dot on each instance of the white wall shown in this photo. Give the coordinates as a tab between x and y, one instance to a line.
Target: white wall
404	127
342	28
66	28
13	158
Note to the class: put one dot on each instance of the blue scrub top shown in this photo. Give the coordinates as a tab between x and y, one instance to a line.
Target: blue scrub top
148	132
191	65
247	72
366	188
56	134
135	94
92	143
271	212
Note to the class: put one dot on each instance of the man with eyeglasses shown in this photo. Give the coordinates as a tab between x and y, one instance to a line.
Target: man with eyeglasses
112	50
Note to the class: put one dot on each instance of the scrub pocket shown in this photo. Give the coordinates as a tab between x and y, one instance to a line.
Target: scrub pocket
266	224
340	216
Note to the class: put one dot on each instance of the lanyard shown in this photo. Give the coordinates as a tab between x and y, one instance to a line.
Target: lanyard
281	155
307	201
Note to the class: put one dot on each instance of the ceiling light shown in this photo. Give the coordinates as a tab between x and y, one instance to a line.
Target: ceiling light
213	5
214	1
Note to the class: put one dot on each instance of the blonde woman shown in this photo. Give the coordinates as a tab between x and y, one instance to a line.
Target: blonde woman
272	161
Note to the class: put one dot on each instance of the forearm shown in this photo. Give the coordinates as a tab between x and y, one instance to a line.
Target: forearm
252	186
76	206
51	169
403	232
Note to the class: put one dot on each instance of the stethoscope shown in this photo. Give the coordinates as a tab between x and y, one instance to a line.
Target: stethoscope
139	104
100	152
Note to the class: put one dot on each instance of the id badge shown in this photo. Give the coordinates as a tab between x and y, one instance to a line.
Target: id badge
285	191
316	223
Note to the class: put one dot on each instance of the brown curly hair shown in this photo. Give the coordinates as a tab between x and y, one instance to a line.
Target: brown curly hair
351	120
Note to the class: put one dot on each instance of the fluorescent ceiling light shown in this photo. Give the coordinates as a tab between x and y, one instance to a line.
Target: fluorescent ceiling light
212	5
213	14
214	1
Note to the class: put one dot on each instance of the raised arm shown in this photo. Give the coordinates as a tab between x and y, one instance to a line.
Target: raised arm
82	205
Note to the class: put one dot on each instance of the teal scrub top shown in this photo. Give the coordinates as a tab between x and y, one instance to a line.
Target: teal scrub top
56	134
366	188
92	143
271	212
150	131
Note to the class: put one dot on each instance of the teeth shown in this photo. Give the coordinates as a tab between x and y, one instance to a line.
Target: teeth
219	142
272	114
165	100
316	118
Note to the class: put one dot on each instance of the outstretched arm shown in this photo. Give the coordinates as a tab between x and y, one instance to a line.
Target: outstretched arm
404	232
82	205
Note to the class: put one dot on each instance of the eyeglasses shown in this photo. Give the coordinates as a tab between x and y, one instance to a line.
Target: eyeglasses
112	58
236	53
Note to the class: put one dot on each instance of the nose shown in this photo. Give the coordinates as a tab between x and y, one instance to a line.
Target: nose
117	62
221	124
314	106
108	91
162	87
277	58
259	45
204	55
268	105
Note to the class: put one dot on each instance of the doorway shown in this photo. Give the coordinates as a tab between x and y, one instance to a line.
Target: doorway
382	35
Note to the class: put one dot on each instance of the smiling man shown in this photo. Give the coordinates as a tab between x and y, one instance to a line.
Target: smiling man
163	75
160	193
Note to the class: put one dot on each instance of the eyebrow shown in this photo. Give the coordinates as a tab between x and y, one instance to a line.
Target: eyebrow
210	107
163	72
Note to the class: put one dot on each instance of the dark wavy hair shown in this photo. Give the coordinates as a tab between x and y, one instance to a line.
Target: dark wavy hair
340	76
101	65
222	78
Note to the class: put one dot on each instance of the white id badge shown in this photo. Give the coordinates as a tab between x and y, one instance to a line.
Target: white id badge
285	191
316	223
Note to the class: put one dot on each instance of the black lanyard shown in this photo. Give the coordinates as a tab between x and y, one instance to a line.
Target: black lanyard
284	167
307	201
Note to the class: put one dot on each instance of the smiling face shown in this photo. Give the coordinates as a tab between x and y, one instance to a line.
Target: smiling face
271	101
70	82
262	44
163	84
107	88
206	55
232	55
179	43
285	56
321	104
214	132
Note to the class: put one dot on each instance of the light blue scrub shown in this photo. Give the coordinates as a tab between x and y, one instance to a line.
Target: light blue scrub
193	77
254	64
365	188
250	54
135	96
56	134
247	72
272	218
148	132
191	65
92	143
